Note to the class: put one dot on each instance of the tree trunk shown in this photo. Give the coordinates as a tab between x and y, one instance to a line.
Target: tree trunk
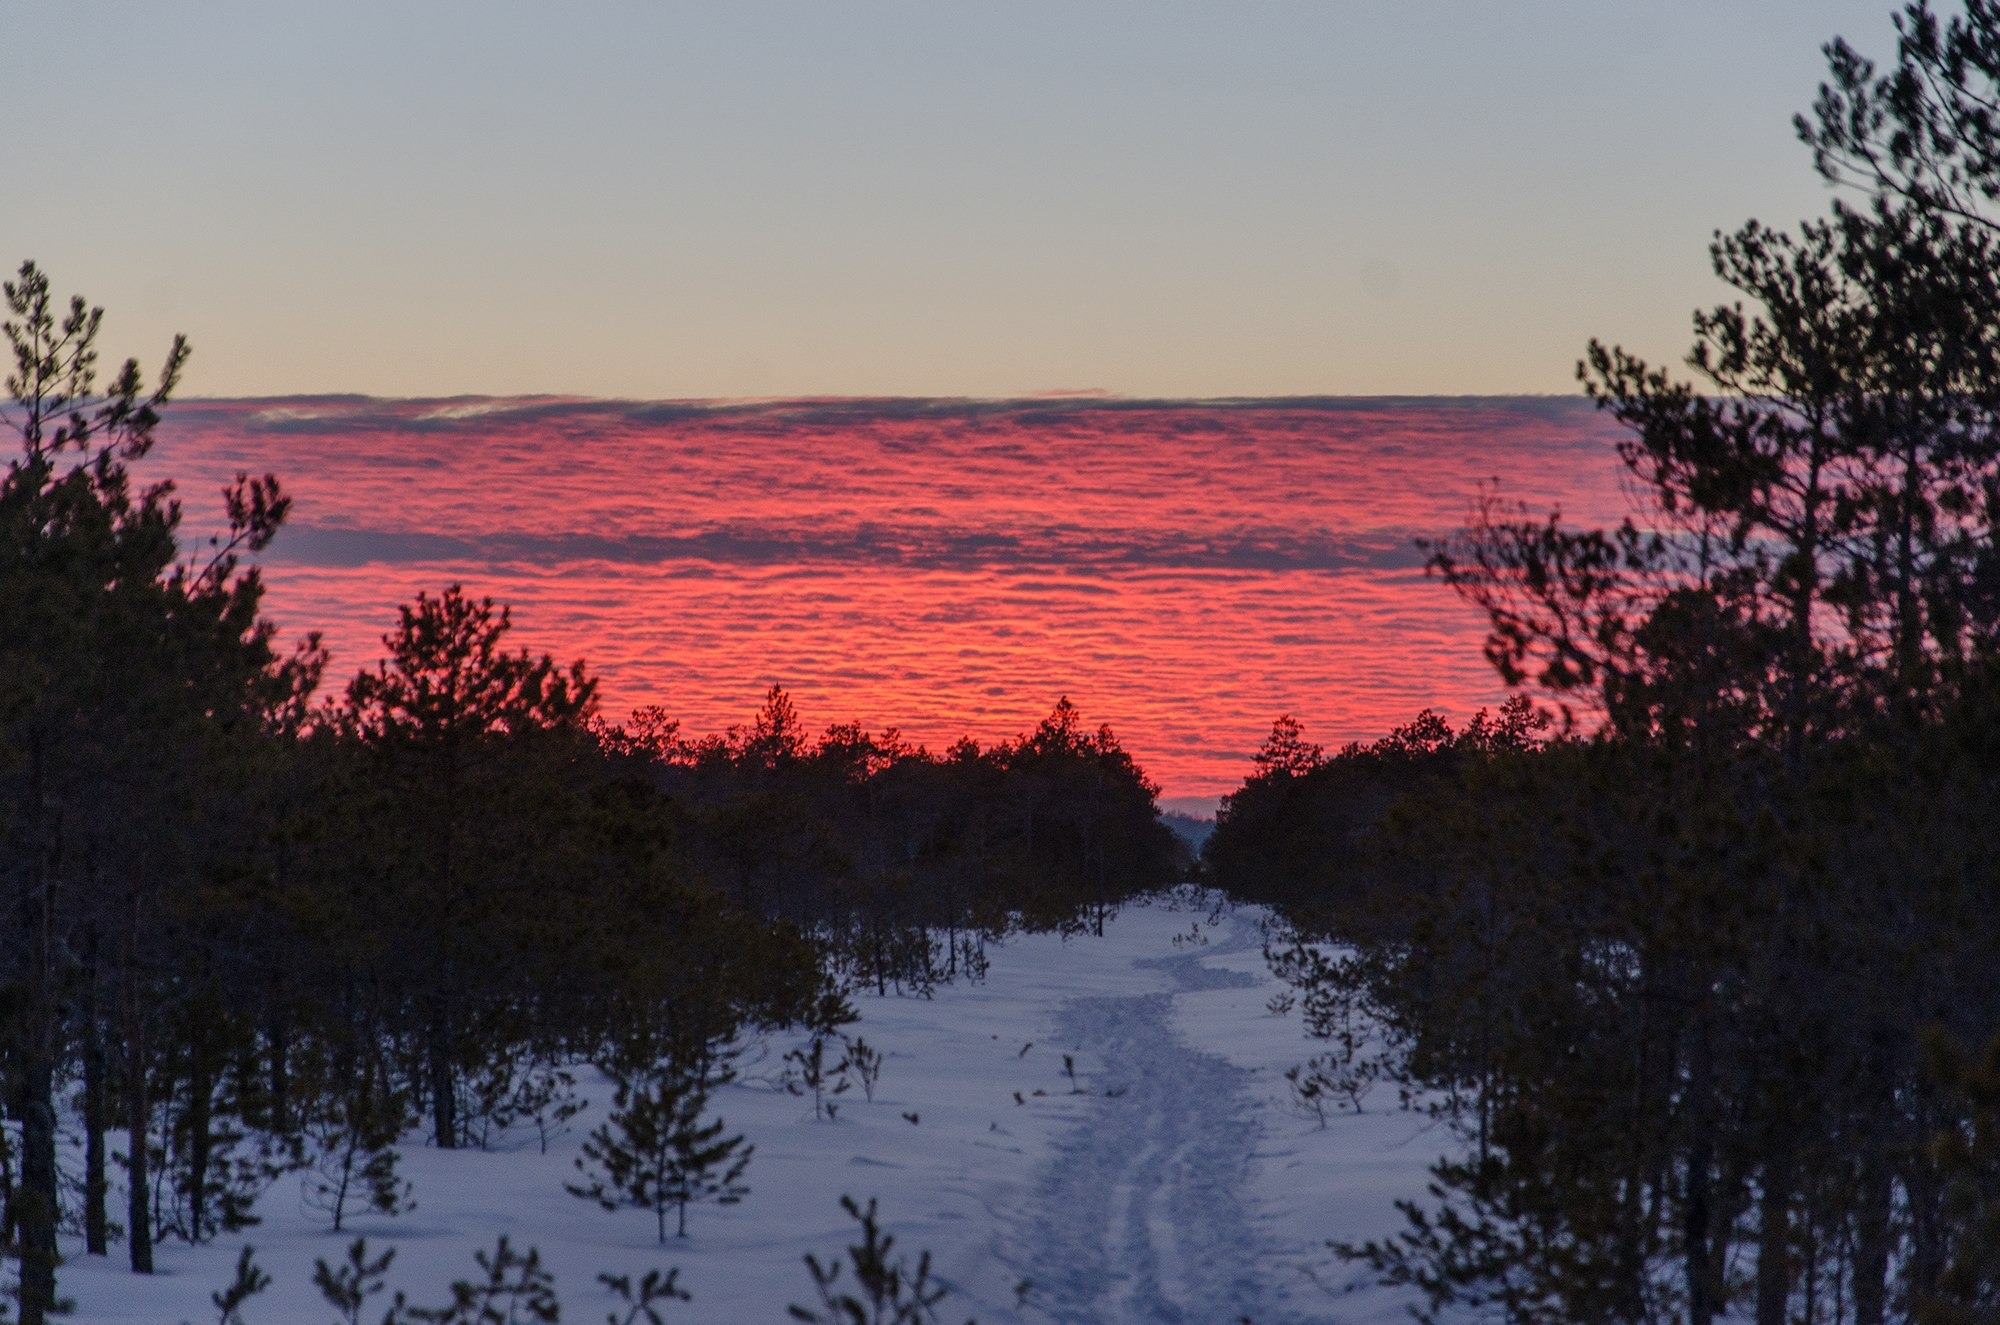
36	1202
1698	1198
444	1098
138	1116
1774	1265
1927	1217
278	1074
8	1190
200	1125
33	1207
96	1183
1696	1212
1871	1241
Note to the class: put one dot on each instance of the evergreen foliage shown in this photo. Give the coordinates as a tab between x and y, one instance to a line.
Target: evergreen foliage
121	669
261	928
645	1300
514	1290
249	1281
813	1068
883	1291
349	1153
866	1060
1670	976
655	1153
347	1287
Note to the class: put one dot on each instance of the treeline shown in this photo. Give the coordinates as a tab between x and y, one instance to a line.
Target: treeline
870	1283
1296	835
1706	976
899	861
1708	1031
255	924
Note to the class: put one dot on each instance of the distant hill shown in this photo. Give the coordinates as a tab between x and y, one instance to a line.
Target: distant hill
1188	828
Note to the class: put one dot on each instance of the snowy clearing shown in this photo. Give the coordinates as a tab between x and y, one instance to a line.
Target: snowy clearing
1163	1177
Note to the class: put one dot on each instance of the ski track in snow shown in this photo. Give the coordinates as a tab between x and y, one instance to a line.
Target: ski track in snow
1139	1213
1177	1188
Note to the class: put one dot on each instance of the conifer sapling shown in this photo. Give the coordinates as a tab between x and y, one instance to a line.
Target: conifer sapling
654	1153
884	1292
811	1069
249	1281
348	1286
642	1301
516	1290
350	1155
866	1060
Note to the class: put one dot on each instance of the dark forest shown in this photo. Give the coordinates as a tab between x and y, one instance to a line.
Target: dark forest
1692	947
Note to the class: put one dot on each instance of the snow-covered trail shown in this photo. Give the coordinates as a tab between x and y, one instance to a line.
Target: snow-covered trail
1178	1187
1140	1210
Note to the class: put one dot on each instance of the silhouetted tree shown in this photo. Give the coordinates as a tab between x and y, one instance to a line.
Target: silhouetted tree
121	669
1668	976
452	720
654	1152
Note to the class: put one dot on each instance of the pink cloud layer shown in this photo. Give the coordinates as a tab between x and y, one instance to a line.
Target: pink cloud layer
1183	571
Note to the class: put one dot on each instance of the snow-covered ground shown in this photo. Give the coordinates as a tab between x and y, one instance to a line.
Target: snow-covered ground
1170	1181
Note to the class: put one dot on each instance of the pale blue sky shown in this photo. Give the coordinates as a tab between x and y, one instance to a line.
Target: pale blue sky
745	198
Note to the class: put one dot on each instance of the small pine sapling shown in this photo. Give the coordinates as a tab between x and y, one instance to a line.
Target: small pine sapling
348	1287
884	1292
643	1301
810	1070
971	959
515	1291
208	1172
866	1060
546	1097
654	1153
1336	1080
480	1095
350	1155
1334	1003
249	1281
1311	1093
510	1092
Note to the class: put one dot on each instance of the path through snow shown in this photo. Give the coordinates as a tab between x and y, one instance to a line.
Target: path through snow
1140	1213
1178	1188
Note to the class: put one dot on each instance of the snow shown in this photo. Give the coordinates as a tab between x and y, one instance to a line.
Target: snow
1168	1180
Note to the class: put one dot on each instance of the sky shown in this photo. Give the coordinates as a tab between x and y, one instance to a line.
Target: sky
1184	572
748	199
1316	217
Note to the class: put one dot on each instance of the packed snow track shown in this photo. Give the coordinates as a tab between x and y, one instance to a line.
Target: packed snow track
1140	1212
1177	1185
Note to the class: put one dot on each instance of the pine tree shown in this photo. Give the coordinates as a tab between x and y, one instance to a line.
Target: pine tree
122	671
814	1069
644	1301
249	1281
884	1292
456	724
350	1152
515	1290
654	1152
348	1286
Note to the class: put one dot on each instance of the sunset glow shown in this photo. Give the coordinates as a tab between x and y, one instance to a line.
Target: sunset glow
1183	571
